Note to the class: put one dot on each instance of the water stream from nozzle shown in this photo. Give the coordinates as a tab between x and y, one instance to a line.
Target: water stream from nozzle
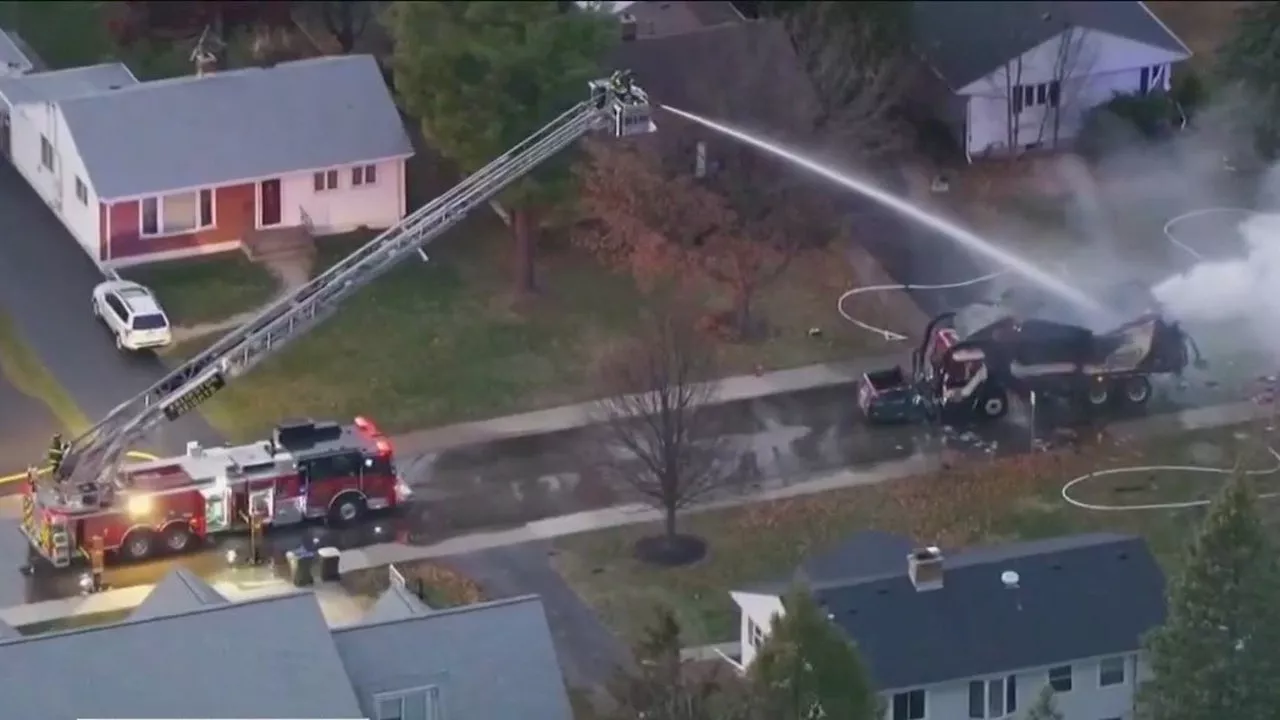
963	236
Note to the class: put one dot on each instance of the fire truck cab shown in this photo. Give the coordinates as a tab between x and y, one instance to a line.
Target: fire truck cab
306	470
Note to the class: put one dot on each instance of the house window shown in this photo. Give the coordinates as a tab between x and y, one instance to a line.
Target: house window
993	698
178	213
409	705
755	634
1111	671
364	175
1060	678
1151	79
325	180
1039	95
908	705
46	153
82	192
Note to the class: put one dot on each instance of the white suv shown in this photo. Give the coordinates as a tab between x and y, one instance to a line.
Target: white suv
133	315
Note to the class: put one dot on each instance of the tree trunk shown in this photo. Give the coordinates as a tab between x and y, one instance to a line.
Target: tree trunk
524	227
742	314
670	522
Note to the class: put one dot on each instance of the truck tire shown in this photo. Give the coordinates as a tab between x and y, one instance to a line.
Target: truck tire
1097	394
177	538
993	405
1137	390
346	509
138	545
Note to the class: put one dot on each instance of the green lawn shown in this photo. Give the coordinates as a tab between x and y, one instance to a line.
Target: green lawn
28	374
442	342
982	502
209	289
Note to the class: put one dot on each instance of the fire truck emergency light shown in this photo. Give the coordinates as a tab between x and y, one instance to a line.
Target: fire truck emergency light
140	505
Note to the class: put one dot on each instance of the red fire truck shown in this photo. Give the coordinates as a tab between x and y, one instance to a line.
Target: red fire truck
305	470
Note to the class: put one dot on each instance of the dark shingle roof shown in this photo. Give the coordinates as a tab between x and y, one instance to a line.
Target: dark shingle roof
965	41
870	553
1078	596
748	66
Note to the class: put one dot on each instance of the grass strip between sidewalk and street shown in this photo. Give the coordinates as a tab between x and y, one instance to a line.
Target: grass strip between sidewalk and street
28	374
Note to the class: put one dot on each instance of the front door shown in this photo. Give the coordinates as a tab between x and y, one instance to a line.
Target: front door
269	203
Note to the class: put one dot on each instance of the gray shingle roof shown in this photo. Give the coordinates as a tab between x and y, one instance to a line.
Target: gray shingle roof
60	85
11	56
1079	596
397	603
261	658
965	41
494	659
180	591
234	126
756	76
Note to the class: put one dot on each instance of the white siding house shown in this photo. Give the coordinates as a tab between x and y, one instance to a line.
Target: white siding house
342	199
980	634
42	149
1016	76
1059	81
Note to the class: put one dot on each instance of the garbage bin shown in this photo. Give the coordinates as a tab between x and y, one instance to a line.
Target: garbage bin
301	562
329	557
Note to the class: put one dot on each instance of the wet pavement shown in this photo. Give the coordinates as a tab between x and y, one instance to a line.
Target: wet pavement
515	481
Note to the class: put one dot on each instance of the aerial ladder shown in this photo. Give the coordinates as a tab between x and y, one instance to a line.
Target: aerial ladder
615	104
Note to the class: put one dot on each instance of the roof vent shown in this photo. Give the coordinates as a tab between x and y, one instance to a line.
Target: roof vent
924	566
1009	579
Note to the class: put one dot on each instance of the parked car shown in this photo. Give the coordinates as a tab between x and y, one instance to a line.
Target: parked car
133	314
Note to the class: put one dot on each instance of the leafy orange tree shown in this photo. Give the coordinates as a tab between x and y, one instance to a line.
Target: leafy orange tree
657	225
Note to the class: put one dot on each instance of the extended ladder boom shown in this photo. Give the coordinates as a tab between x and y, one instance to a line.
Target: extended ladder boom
616	104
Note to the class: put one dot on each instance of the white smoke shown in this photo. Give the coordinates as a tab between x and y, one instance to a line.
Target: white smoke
1245	288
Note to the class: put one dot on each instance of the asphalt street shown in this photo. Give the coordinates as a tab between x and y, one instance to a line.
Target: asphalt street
25	428
45	285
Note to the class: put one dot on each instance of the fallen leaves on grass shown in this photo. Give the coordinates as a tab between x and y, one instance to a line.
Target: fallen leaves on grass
441	586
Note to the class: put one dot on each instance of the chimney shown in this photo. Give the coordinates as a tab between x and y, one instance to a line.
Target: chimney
629	26
924	565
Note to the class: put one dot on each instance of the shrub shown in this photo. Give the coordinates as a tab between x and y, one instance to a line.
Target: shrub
1125	120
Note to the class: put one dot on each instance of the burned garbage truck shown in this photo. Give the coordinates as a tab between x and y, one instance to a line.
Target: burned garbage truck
972	362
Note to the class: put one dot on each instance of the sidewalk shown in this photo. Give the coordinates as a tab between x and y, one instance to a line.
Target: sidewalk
387	553
568	417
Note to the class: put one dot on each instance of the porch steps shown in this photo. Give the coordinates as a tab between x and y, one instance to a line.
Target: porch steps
273	245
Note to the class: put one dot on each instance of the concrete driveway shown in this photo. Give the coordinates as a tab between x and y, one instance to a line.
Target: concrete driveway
45	285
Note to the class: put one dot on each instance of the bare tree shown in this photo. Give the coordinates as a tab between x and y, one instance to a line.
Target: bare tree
346	20
1052	99
656	415
856	56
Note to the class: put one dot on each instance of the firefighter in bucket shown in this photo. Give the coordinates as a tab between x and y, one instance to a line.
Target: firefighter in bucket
57	451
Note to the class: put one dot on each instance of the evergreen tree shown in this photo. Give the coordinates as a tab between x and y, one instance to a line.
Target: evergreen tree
660	688
1044	708
1216	656
807	669
1250	60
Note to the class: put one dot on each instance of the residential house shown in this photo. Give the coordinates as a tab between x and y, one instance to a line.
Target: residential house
980	632
1015	76
13	60
140	172
650	19
188	652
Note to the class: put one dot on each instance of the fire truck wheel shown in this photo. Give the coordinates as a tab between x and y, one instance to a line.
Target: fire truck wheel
138	545
346	509
1137	390
177	537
